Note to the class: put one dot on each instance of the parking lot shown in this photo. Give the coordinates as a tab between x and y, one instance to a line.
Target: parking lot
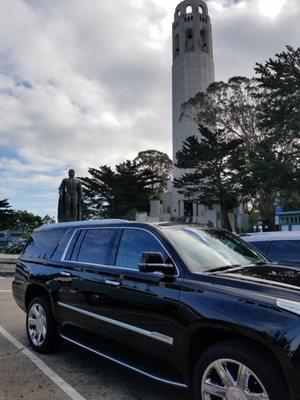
70	373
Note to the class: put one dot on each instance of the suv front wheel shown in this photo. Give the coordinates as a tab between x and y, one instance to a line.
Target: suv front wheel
235	371
40	325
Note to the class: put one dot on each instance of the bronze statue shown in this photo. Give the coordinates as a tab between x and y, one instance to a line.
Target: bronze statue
70	196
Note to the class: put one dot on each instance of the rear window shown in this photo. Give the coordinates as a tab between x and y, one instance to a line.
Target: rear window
43	244
285	250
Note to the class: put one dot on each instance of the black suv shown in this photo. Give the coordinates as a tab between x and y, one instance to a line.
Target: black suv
189	306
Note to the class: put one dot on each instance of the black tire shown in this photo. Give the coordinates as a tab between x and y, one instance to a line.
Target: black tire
50	339
265	369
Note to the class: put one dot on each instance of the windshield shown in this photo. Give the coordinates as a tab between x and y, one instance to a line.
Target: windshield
208	249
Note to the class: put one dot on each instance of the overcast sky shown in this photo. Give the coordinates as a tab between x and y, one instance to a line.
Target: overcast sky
84	83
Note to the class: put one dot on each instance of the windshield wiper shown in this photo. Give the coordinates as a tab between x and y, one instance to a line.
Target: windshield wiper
229	267
224	268
260	263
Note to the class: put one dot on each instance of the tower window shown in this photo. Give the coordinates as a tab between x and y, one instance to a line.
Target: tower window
189	40
178	13
189	10
204	39
176	45
200	10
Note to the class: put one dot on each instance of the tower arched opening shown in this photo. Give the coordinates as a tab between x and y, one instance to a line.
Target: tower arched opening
200	9
176	45
189	39
178	13
204	39
189	10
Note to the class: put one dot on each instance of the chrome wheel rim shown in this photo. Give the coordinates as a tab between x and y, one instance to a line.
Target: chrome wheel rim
227	379
37	324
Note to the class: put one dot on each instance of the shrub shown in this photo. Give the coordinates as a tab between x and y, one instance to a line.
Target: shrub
15	247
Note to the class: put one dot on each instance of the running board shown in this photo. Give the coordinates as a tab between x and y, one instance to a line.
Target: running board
123	363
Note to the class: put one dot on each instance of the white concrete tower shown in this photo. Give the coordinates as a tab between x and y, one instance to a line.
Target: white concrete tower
193	64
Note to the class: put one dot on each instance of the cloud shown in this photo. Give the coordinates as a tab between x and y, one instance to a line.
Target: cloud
88	83
271	8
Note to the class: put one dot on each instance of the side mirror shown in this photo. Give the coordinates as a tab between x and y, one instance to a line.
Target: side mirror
154	262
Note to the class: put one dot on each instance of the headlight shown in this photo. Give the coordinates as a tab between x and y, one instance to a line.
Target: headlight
289	305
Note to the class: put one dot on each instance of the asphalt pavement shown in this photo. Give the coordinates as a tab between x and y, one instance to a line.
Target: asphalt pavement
70	373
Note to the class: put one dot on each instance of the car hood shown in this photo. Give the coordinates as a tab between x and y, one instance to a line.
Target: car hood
270	274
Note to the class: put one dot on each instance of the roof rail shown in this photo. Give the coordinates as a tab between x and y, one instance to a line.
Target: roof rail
80	223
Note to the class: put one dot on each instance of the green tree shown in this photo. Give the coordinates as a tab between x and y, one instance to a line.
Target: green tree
279	83
215	162
157	166
100	197
270	170
132	188
279	115
242	108
48	220
231	106
5	214
114	194
25	221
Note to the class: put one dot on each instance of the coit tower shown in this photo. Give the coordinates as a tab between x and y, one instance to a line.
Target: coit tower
193	64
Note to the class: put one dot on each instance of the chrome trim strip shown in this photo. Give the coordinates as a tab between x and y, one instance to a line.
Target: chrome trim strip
68	245
113	266
112	283
64	273
153	335
174	383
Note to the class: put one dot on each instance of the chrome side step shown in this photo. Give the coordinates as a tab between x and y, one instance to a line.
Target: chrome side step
124	364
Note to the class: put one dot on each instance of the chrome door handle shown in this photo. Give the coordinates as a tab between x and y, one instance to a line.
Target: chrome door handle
64	273
113	283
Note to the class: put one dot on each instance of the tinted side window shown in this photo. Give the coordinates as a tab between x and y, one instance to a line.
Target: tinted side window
96	246
133	243
44	243
261	246
73	251
285	250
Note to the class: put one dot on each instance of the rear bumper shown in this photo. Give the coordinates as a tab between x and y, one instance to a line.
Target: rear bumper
18	290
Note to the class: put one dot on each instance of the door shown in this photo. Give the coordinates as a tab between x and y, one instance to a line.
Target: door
111	298
143	306
80	281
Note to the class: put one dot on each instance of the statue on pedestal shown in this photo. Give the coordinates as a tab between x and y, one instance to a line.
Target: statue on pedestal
70	197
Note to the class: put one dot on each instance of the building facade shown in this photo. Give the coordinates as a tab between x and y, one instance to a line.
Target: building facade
289	221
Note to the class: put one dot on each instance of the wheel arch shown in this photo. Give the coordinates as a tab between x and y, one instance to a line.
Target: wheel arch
206	336
34	290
